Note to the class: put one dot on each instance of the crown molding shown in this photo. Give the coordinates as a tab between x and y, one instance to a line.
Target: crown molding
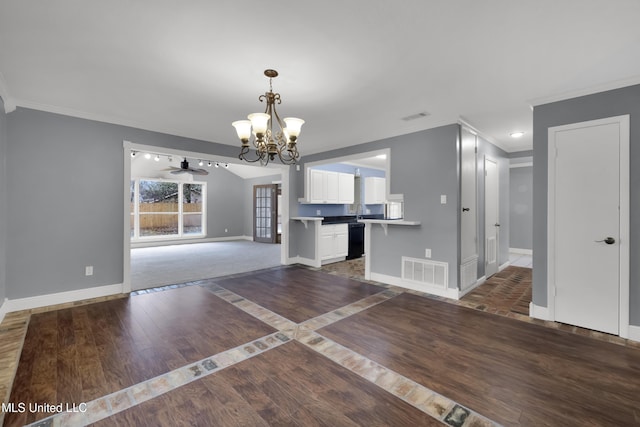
466	124
590	90
9	104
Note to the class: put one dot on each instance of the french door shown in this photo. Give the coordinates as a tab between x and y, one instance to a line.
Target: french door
265	213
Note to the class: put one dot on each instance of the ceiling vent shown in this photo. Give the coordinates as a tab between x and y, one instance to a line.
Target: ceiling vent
416	116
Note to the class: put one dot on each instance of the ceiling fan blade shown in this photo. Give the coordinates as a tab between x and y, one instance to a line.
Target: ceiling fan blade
198	171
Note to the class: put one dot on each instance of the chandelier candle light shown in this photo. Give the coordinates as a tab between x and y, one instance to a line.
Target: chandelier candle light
267	143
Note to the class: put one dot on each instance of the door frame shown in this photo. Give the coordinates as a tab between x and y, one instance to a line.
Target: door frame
274	213
623	122
497	190
128	146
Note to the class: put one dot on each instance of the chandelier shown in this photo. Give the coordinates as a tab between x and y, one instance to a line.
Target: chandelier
268	142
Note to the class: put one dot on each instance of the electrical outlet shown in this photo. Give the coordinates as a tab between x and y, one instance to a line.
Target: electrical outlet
88	270
427	253
226	230
318	212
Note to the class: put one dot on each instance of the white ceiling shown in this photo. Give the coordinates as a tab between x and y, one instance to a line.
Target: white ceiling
351	69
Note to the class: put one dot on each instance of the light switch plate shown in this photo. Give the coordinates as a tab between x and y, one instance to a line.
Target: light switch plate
443	199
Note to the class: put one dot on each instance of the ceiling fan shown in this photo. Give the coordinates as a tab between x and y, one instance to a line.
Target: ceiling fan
184	168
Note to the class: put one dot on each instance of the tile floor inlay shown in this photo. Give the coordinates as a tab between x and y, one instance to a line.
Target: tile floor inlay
433	404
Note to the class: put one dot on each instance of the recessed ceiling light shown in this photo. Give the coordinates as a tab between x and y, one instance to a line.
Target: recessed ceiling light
518	134
381	156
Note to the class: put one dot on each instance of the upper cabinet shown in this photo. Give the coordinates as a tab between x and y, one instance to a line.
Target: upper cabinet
375	190
330	187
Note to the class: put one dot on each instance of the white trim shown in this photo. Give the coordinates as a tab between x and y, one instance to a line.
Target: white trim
519	251
61	297
9	103
623	122
186	241
520	165
503	266
351	157
304	261
128	146
539	312
433	290
3	309
479	282
634	333
466	124
497	189
616	84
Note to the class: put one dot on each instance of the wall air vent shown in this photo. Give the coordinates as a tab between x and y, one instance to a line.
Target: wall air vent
416	116
426	272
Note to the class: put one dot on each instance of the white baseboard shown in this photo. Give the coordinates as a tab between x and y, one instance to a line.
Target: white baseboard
538	312
479	282
304	261
397	281
3	309
186	241
520	251
61	298
503	266
634	333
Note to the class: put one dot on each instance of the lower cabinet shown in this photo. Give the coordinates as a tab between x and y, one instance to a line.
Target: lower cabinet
334	241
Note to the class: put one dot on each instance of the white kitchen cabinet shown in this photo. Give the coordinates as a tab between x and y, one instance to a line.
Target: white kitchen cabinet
334	241
346	188
375	190
330	187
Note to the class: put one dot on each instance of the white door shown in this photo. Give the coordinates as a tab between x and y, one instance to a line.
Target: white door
491	216
468	238
585	223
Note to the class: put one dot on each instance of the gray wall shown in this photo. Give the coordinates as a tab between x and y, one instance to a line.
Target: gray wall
3	203
520	207
605	104
65	199
423	167
247	200
486	149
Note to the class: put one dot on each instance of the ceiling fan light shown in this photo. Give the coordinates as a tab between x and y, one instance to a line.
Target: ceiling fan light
243	129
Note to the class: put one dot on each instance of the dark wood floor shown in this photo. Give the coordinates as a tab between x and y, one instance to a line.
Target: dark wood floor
82	353
512	372
515	372
283	291
290	385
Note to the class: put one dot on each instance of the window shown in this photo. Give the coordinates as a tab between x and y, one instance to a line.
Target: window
167	209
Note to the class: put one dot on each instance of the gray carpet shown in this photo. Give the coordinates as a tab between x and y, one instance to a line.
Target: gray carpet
166	265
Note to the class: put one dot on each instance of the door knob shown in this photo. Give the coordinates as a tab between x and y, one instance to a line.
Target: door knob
608	241
465	209
497	225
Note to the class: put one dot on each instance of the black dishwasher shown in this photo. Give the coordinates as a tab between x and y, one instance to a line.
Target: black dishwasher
356	240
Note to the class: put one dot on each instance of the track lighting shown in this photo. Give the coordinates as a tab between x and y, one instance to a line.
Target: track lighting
147	156
217	164
133	154
157	158
200	163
